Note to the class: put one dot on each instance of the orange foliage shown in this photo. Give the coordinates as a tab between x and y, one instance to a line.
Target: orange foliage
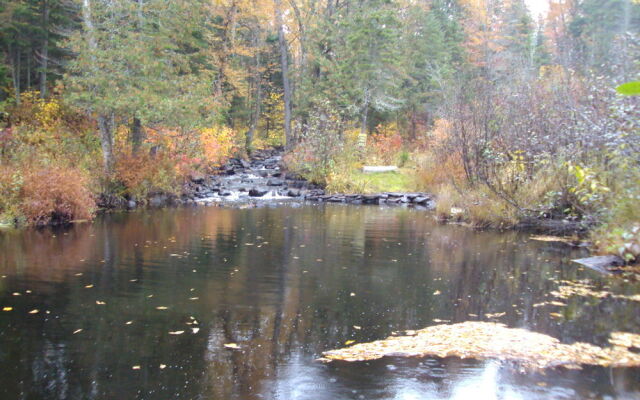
56	194
142	173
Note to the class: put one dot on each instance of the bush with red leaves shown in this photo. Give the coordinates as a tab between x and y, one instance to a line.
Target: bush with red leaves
56	195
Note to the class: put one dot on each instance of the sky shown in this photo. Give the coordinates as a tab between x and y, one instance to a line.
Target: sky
537	7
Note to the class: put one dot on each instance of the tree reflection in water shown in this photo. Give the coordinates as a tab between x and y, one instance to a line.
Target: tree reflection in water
285	284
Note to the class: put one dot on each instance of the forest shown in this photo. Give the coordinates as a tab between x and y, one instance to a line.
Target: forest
505	116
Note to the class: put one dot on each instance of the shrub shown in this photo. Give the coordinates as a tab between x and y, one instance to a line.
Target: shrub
55	195
10	187
142	174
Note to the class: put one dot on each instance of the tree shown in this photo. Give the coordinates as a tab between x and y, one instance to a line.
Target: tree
142	59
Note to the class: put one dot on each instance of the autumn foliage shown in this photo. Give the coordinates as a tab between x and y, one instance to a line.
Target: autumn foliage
55	195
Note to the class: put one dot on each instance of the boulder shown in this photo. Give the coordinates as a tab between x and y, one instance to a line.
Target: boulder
257	192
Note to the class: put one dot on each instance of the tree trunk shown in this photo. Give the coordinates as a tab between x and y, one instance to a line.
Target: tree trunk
137	136
44	54
105	125
284	66
255	115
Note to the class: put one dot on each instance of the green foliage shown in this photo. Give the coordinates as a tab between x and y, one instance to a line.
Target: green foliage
629	88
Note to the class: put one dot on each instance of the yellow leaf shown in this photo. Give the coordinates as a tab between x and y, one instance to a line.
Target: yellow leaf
34	311
7	308
176	333
231	346
162	308
348	342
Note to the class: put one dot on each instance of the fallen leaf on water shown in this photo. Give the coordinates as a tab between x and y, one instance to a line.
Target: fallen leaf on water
176	332
495	315
35	311
193	298
357	327
135	367
17	294
489	340
7	308
77	331
352	294
162	308
437	292
348	342
100	303
163	366
128	323
195	330
88	286
231	346
556	315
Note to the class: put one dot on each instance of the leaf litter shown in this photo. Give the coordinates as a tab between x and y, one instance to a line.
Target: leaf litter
489	340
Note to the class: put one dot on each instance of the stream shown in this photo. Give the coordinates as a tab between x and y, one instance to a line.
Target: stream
238	303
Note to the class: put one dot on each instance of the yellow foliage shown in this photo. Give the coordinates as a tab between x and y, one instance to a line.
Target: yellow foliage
218	143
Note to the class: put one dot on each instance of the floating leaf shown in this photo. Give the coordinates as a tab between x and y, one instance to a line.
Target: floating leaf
162	308
34	311
357	327
128	323
136	367
7	308
163	366
100	303
488	340
437	292
195	330
233	346
77	331
352	294
348	342
88	286
176	332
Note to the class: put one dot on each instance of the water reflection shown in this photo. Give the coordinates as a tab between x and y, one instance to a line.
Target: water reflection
284	284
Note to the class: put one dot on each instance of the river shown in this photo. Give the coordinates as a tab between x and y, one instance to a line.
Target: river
140	305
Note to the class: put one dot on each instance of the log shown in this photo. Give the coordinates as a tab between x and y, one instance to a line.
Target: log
381	168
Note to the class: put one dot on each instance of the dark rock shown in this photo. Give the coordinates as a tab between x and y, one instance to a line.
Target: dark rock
197	178
256	192
420	200
293	193
275	182
371	199
225	193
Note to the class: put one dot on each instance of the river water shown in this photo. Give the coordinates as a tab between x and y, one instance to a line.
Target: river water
140	305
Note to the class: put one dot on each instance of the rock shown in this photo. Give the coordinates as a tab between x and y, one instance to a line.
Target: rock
256	192
131	204
225	193
197	177
371	199
158	200
600	263
275	182
245	163
293	193
420	200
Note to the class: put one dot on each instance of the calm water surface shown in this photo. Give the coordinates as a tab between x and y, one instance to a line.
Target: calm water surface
284	284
